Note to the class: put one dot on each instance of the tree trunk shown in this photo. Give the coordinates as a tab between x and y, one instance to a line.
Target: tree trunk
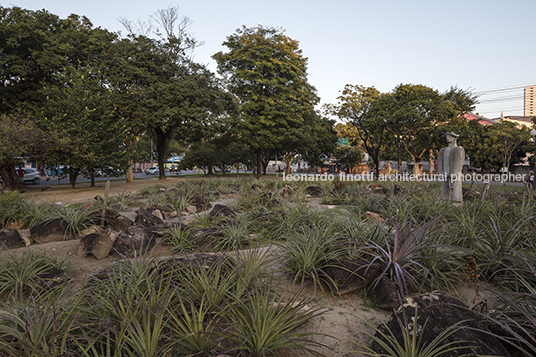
431	163
258	164
162	141
73	175
288	157
130	172
399	158
9	176
92	179
415	166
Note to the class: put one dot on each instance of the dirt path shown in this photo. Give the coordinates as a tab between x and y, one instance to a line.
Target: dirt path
83	192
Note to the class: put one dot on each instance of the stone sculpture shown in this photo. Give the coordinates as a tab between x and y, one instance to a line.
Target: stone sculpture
451	160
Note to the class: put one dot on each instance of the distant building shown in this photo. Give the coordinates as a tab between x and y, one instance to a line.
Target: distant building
529	99
518	119
481	120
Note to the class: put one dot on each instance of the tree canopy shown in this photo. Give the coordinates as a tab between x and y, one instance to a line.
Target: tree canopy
266	72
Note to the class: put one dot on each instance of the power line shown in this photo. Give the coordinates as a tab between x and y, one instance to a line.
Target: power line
502	99
505	89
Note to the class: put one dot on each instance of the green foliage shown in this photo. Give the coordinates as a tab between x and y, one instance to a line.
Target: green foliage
411	345
264	323
234	236
80	110
266	72
19	275
310	250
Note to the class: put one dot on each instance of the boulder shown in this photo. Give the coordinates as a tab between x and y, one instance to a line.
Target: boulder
53	230
191	209
314	191
97	244
373	217
158	212
437	312
51	277
221	211
118	221
385	294
146	218
352	275
10	238
134	240
201	202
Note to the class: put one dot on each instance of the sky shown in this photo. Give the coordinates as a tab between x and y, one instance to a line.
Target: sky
487	47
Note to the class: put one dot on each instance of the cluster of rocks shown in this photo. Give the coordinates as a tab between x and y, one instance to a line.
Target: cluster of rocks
121	234
430	314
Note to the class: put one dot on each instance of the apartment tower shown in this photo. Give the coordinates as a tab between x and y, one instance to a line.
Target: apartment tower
530	99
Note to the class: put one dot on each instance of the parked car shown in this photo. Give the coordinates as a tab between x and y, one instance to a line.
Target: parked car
152	171
31	176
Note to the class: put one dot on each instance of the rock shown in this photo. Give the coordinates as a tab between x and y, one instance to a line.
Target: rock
135	240
18	224
98	244
157	212
385	294
352	275
88	205
287	191
146	218
173	214
202	235
440	312
92	229
221	211
314	191
191	209
118	221
201	202
53	230
51	277
380	190
10	238
371	216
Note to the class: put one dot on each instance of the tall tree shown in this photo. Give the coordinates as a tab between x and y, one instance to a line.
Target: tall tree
173	96
36	45
80	110
267	73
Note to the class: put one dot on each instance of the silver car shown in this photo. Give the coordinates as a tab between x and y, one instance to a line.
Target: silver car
31	175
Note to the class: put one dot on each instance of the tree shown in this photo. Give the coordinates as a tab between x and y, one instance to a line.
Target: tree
175	97
349	156
35	45
370	112
421	111
79	109
20	138
267	73
499	145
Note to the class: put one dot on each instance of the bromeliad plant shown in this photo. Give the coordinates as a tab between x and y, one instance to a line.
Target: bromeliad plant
312	249
402	252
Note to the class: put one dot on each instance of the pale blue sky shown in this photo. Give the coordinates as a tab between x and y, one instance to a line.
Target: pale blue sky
478	45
